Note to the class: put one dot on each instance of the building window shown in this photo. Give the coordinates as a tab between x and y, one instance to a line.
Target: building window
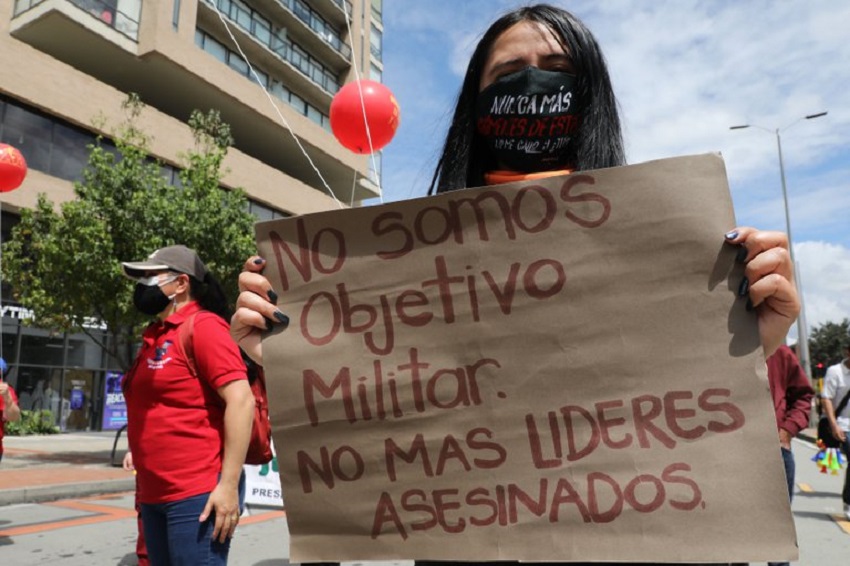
375	73
314	115
376	39
376	168
38	135
211	46
175	15
235	62
31	133
377	9
70	152
276	41
121	15
262	212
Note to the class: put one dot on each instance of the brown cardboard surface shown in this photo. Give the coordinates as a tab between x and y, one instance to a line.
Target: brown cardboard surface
551	370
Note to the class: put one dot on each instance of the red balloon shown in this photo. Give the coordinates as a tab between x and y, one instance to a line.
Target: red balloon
382	115
13	168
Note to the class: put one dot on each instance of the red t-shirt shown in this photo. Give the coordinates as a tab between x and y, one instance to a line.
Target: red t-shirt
175	422
3	417
792	394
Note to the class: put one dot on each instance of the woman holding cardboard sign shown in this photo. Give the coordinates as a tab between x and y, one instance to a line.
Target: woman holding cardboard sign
542	111
537	101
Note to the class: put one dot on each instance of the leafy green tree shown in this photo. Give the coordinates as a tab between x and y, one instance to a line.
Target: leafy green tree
827	344
64	262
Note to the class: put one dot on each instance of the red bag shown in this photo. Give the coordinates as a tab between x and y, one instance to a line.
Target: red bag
260	445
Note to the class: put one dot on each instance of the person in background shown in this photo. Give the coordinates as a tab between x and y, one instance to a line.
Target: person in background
792	401
189	411
544	51
9	409
141	547
836	386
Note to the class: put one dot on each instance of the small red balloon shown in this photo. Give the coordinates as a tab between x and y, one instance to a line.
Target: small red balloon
382	115
13	168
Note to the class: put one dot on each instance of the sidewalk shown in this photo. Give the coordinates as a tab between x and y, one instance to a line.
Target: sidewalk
59	466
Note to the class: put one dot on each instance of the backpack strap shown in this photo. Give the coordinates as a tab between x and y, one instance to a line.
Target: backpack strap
843	404
186	336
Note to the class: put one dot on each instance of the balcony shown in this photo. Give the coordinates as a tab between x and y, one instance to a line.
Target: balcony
316	23
121	16
335	9
275	42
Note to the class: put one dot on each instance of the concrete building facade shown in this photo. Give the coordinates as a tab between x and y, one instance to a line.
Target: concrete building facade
69	64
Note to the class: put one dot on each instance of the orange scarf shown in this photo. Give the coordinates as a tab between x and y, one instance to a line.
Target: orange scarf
501	177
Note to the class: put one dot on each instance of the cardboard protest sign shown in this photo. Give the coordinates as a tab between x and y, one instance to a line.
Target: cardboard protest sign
551	370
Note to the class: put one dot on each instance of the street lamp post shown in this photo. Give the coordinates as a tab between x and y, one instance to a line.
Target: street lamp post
802	333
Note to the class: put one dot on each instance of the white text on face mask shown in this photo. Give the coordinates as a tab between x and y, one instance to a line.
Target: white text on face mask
531	104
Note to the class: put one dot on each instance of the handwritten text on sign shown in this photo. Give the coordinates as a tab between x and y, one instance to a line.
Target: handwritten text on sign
485	363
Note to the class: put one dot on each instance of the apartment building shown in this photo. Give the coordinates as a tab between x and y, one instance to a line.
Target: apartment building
67	62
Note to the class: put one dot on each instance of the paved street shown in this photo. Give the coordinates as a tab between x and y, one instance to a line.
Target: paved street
822	531
102	530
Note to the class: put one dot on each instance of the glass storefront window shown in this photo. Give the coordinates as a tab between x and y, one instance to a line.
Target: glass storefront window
10	338
78	390
83	351
38	347
38	389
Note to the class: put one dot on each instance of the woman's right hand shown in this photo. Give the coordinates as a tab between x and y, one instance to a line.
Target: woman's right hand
255	309
127	464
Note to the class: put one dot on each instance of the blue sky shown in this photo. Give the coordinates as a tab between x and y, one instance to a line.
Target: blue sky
684	71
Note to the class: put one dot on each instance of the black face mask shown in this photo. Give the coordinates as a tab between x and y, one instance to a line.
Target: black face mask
528	119
149	299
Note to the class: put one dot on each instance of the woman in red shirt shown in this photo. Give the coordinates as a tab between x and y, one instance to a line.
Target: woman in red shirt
189	416
9	410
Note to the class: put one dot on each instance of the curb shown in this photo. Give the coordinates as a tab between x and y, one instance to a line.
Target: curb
43	493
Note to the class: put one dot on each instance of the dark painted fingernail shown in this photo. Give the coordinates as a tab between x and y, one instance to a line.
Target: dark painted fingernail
259	261
269	325
743	287
742	255
731	235
281	318
750	306
272	296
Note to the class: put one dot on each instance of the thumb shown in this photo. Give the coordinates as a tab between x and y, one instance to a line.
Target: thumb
206	512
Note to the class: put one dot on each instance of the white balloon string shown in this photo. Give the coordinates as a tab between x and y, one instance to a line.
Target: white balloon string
214	5
363	106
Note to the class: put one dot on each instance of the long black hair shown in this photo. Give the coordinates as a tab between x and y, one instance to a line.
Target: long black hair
465	159
210	296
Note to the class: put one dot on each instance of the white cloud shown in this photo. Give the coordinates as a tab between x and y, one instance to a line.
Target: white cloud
824	270
684	71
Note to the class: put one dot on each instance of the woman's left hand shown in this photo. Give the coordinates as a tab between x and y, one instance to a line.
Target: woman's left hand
223	502
769	282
